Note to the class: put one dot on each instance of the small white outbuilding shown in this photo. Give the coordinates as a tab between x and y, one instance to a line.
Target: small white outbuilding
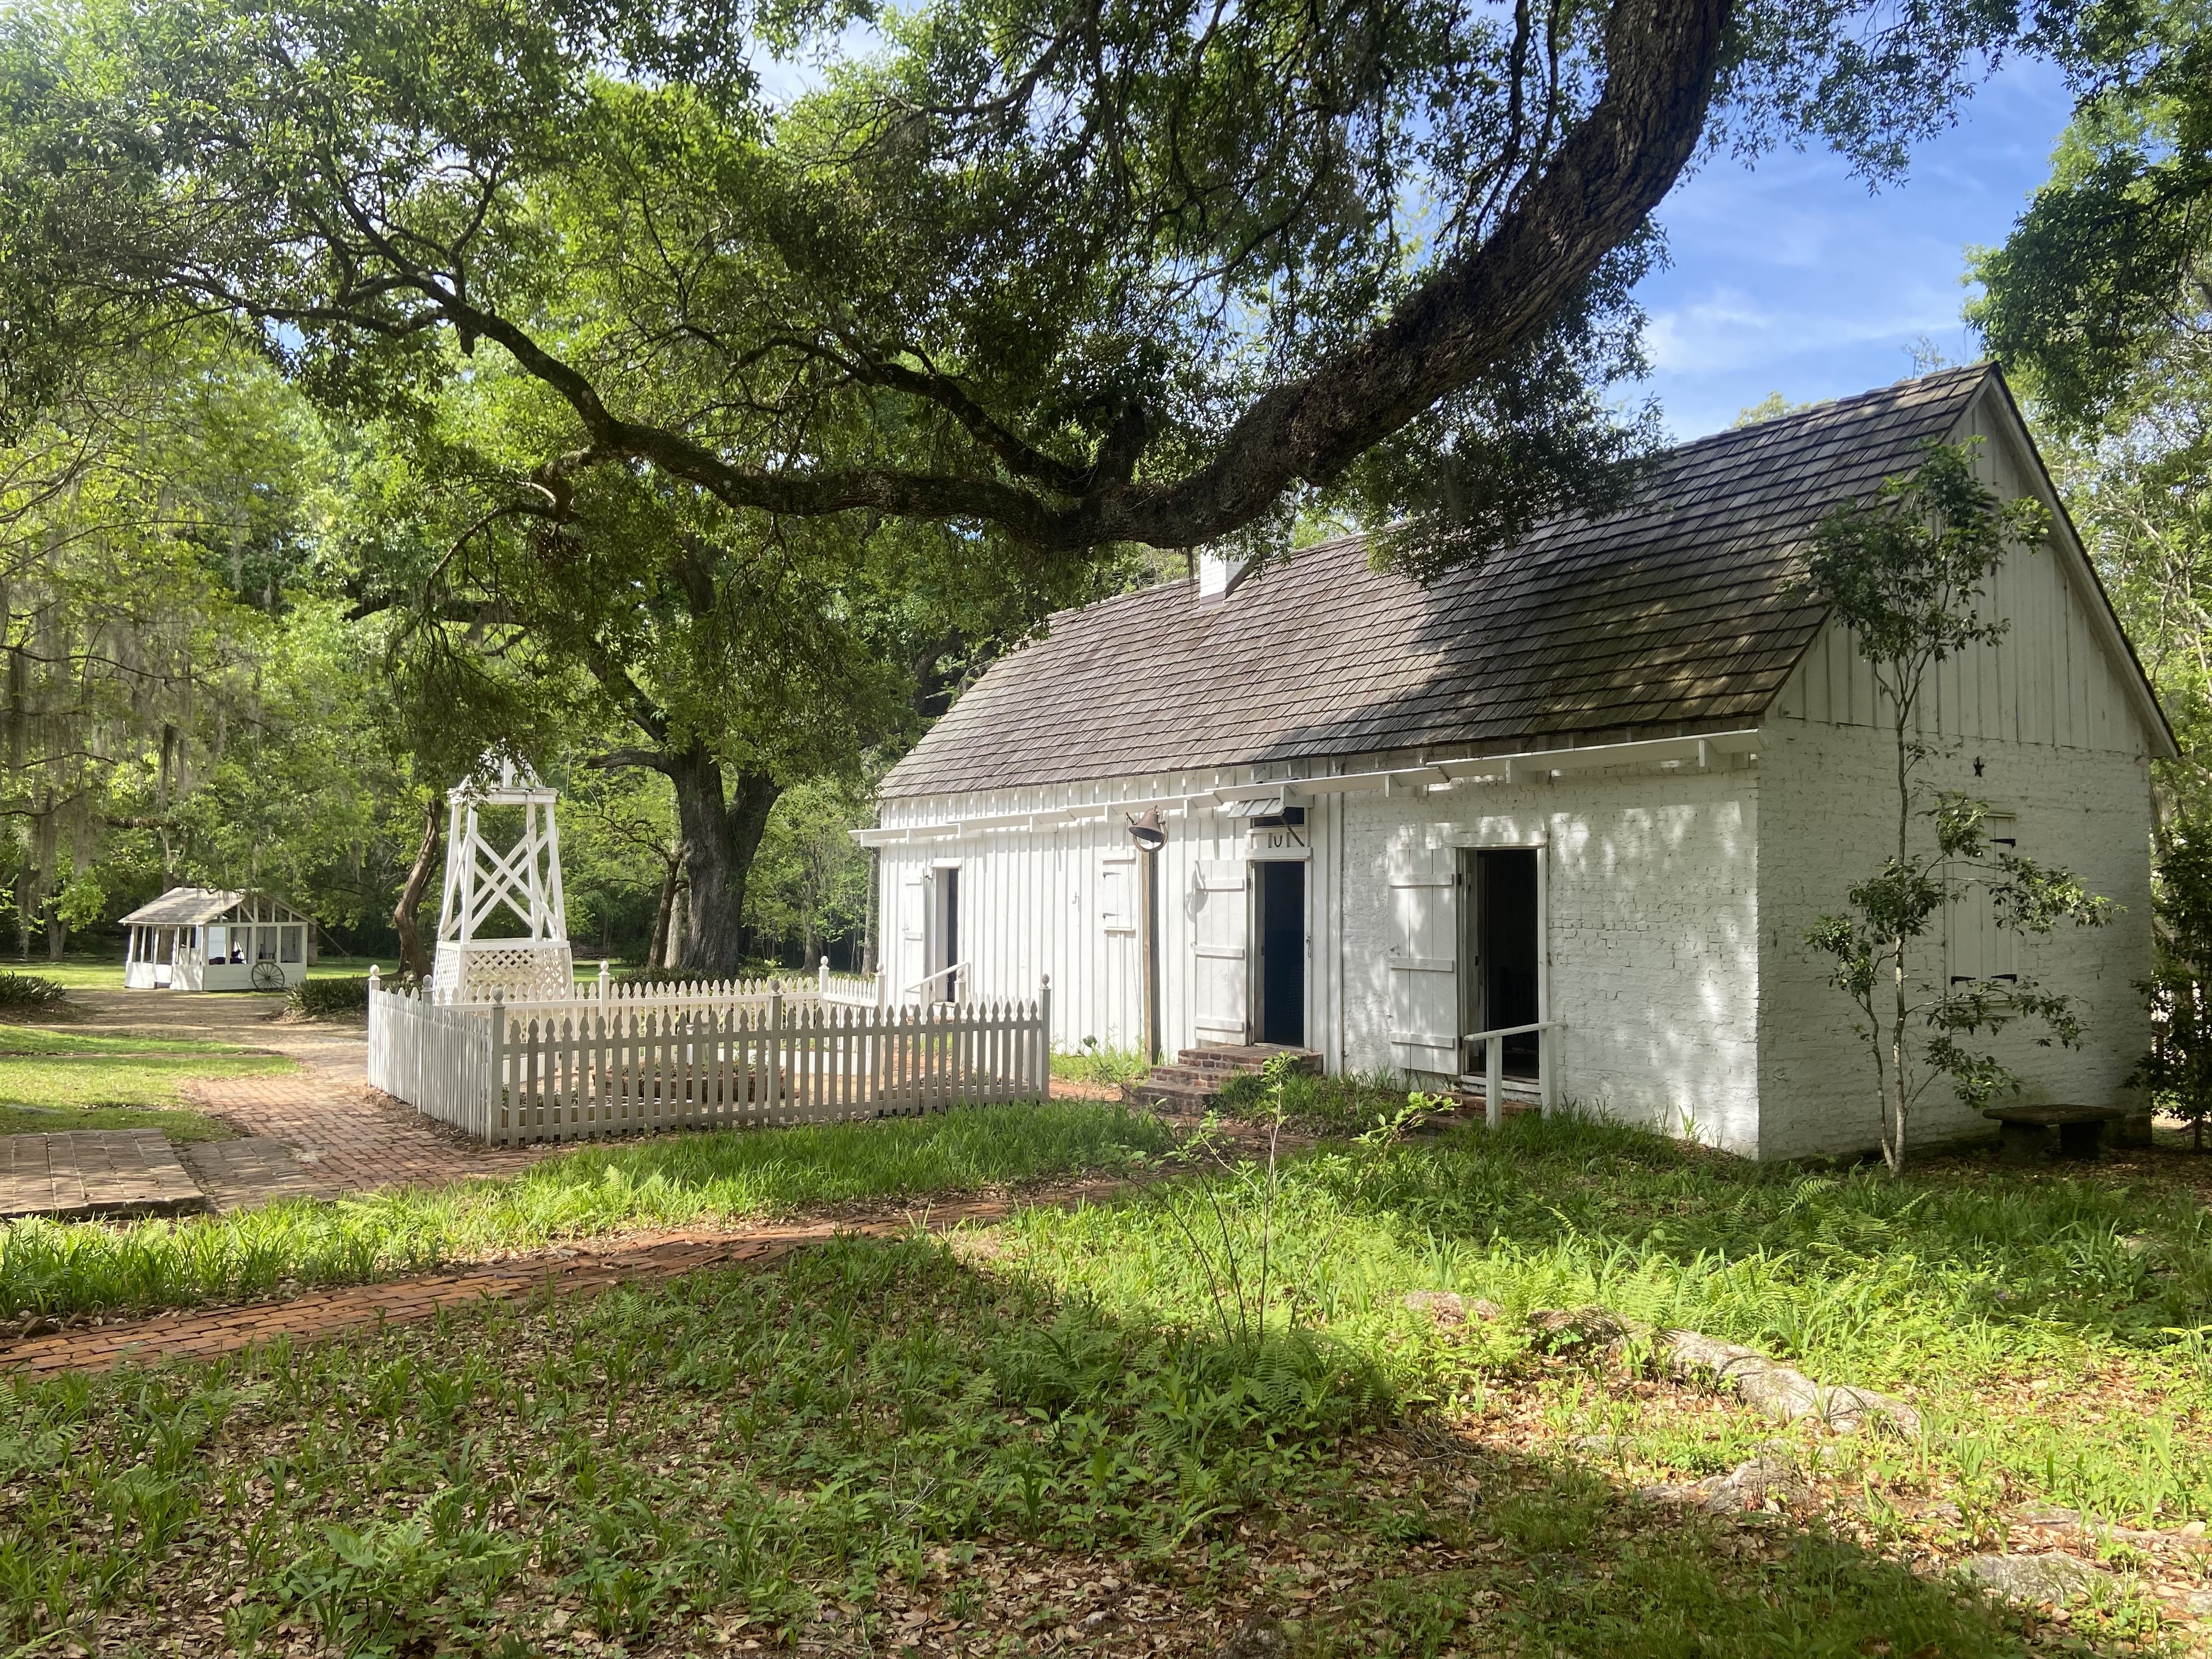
1601	784
206	938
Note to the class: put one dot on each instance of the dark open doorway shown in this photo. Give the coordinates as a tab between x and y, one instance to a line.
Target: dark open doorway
947	989
1504	987
1281	925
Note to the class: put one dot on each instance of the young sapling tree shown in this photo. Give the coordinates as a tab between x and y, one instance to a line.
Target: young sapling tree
1905	570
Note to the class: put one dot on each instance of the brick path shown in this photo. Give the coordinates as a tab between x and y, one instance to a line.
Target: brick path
321	1130
85	1173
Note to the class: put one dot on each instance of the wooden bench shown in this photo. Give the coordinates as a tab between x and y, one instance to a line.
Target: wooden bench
2024	1132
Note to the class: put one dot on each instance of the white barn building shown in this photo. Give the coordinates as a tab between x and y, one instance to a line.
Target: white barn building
1606	782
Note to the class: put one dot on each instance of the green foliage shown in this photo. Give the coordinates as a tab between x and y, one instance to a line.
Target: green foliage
329	998
2106	279
21	994
2098	305
811	1451
2178	1070
1905	568
1773	407
1096	1063
1036	313
669	1181
1904	571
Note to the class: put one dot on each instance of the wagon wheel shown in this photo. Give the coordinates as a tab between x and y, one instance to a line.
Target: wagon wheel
268	976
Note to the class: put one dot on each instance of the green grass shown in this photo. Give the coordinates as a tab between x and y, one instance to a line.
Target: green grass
53	1083
1105	1068
874	1441
1961	1289
179	1126
1008	1430
143	1081
668	1181
36	1040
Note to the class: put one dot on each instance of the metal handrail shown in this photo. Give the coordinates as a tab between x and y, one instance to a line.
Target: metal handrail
957	968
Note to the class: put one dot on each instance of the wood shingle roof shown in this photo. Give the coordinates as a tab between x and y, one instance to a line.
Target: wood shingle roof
1678	611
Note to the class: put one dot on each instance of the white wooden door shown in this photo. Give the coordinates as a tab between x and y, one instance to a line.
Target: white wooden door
1424	1000
913	935
1220	929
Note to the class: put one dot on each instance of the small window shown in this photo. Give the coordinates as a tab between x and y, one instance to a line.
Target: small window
295	947
265	945
218	945
1978	948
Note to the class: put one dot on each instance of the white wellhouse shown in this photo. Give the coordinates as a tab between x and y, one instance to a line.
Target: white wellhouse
203	938
497	883
1600	785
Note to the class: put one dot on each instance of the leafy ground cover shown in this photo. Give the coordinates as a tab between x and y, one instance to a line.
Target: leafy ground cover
1053	1434
885	1448
51	1081
669	1181
1100	1067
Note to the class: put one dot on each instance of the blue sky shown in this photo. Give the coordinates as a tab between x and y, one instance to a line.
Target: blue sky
1791	277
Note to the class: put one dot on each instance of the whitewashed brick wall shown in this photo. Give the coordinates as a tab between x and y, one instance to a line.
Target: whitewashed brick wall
1827	817
1652	911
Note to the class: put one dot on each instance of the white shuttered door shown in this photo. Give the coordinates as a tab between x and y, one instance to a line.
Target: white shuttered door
1219	924
1979	948
913	932
1425	960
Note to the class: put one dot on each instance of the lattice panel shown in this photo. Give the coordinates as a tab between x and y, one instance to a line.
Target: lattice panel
521	972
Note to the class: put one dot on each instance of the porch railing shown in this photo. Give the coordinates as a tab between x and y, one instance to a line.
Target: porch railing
1493	1067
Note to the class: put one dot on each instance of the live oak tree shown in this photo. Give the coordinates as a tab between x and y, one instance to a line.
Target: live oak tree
2098	305
1057	277
732	654
1905	570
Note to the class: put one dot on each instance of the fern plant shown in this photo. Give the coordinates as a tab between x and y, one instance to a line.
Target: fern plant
1238	1274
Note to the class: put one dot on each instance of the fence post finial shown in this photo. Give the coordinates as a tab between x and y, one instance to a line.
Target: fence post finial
606	979
373	974
822	979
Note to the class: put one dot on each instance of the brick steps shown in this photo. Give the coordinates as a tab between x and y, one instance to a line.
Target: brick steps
1196	1077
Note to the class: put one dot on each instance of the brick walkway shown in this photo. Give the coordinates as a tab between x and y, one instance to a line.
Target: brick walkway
89	1173
320	1130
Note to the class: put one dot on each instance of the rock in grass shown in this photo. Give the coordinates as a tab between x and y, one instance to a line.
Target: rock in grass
1567	1329
1260	1637
1783	1394
1750	1483
1448	1310
2034	1577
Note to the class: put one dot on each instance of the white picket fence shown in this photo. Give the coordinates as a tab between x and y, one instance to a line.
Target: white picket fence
755	1056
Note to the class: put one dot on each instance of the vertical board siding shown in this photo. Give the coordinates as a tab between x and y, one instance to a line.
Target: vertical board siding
2051	679
584	1069
1033	903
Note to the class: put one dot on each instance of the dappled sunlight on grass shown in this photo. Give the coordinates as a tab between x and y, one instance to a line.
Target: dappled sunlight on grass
872	1449
1958	1294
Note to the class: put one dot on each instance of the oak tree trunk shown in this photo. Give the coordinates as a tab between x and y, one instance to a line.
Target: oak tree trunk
414	956
656	949
722	831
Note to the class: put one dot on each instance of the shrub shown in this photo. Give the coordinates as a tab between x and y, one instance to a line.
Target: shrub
327	999
22	993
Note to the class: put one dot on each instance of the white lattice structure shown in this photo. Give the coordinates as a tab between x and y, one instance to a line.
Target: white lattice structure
482	881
